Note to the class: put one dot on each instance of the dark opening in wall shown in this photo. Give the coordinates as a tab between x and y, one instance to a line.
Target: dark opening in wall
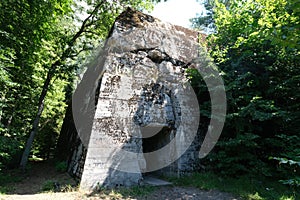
154	138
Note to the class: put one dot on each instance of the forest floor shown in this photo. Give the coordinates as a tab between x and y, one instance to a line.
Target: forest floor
43	182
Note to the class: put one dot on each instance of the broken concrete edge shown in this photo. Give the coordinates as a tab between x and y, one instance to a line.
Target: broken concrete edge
132	19
137	19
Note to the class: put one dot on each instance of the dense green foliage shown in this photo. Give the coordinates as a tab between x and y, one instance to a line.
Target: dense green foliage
26	30
256	46
43	47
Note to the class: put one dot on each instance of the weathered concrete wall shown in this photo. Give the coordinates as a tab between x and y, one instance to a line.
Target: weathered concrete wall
143	89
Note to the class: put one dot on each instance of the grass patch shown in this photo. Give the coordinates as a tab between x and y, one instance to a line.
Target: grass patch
8	178
55	186
48	186
136	191
246	187
4	190
124	193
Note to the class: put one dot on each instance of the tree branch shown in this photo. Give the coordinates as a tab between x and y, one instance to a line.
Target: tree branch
85	24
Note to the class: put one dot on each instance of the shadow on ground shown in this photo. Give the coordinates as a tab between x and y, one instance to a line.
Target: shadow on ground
43	176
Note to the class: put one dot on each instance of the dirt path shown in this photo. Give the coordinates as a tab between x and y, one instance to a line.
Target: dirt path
42	173
163	193
37	177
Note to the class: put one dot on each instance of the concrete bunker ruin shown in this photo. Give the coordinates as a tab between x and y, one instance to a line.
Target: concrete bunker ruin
143	105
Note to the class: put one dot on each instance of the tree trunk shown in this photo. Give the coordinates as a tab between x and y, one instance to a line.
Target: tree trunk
35	124
10	119
2	105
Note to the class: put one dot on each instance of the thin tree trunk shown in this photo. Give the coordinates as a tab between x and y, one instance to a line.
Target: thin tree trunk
36	121
1	108
10	119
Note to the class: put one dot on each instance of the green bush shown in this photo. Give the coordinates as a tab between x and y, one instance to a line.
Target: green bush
10	152
48	186
61	166
292	167
260	65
